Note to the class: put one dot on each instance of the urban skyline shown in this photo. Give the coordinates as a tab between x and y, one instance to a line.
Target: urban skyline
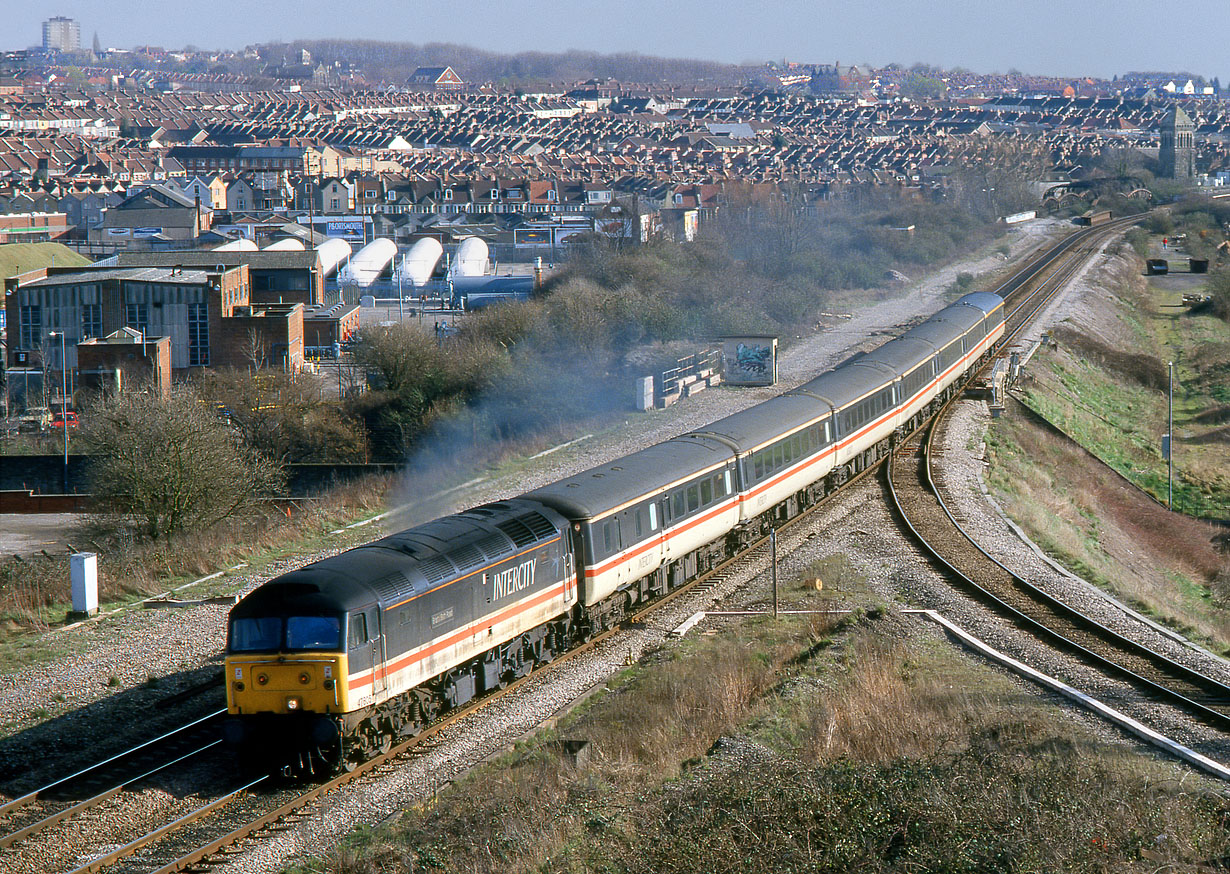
1046	38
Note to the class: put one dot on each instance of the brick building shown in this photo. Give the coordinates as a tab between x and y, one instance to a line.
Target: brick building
276	277
206	315
124	359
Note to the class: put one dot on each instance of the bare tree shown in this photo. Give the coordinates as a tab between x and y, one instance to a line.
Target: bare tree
993	174
166	464
255	350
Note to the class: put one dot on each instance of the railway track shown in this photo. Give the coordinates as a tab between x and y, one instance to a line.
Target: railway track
917	491
41	809
207	832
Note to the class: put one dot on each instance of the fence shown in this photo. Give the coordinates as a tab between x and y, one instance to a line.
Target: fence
690	374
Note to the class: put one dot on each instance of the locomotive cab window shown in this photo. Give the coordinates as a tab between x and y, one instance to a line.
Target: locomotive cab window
358	630
259	634
313	632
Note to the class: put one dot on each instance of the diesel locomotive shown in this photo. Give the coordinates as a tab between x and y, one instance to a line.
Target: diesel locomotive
335	661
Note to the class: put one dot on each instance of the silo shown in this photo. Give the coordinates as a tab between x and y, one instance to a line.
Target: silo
420	262
332	252
240	245
470	260
290	244
366	266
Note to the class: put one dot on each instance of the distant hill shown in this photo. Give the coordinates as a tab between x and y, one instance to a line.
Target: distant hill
394	62
21	257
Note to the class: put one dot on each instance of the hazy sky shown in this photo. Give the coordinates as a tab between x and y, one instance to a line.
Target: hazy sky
1049	37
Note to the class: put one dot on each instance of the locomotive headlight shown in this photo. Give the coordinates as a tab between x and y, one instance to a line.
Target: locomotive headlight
262	679
305	678
293	703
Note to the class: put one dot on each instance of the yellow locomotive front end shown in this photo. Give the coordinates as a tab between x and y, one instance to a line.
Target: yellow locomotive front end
299	683
286	690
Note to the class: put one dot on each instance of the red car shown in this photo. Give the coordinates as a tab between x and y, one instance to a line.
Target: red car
69	418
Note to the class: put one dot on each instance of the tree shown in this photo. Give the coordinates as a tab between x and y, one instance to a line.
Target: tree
166	464
994	174
923	87
288	417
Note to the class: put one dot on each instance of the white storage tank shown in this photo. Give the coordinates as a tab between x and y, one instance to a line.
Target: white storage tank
290	244
332	252
420	262
240	245
470	260
367	265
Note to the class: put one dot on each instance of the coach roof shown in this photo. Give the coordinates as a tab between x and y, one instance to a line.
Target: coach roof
601	489
757	425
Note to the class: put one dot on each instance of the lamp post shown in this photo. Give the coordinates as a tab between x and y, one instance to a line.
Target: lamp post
63	402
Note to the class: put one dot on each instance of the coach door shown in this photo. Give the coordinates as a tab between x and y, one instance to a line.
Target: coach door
667	519
366	646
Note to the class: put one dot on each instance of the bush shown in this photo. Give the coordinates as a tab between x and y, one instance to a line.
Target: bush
165	463
1138	238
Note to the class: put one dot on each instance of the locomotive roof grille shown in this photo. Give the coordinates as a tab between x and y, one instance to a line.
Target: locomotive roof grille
518	532
493	545
391	587
539	524
466	556
436	568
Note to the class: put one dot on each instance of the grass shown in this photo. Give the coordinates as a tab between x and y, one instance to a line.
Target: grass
1114	403
21	257
1104	531
752	750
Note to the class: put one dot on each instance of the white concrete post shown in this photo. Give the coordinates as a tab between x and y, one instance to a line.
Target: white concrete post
644	393
84	569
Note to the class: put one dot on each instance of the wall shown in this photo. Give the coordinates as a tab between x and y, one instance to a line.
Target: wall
44	474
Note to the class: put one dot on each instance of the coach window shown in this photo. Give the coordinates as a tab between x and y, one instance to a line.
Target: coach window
693	498
828	432
653	517
729	487
797	440
677	508
758	461
358	630
706	492
608	536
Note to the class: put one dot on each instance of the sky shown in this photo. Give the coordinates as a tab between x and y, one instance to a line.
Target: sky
1044	37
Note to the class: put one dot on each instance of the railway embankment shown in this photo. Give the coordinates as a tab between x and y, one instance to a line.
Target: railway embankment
1080	467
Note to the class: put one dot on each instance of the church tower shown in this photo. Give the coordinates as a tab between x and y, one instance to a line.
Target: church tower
1178	153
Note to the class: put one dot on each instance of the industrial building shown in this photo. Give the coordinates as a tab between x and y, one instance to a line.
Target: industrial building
206	316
